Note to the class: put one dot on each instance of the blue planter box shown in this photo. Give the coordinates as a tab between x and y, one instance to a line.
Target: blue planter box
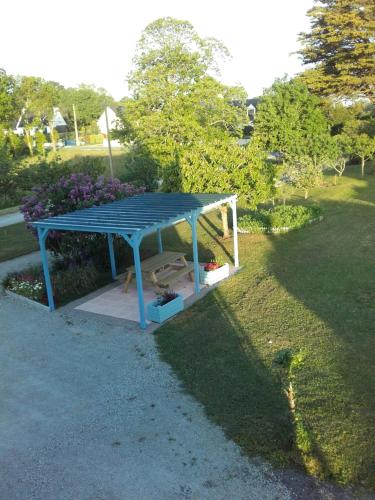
158	314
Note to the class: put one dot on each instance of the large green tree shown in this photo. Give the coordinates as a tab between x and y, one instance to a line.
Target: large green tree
176	101
8	102
341	48
291	122
37	98
89	102
185	119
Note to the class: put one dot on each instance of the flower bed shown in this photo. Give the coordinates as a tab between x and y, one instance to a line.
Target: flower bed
165	306
212	273
280	219
69	282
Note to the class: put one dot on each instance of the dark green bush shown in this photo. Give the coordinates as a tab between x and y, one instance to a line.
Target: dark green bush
28	176
140	168
282	217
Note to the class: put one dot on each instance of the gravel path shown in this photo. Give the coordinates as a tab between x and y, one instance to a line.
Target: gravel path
88	411
10	219
8	266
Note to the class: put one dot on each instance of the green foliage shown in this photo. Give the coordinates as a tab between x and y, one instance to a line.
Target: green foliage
89	102
341	47
16	145
40	140
178	108
8	104
364	147
278	218
37	98
7	181
224	166
26	176
283	358
93	139
140	168
290	121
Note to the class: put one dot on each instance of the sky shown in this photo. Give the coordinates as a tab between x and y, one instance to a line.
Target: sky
93	42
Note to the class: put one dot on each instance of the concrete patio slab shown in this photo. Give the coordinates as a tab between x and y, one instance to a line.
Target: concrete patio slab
114	302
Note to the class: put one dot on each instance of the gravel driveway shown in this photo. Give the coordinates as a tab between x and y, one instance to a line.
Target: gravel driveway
88	411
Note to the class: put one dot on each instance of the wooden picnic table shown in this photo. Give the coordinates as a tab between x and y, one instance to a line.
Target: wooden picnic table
162	269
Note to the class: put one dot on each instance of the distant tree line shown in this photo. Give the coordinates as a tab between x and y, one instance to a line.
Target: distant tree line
32	99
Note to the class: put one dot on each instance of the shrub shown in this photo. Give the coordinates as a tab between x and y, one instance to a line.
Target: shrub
48	172
140	168
93	139
282	217
68	194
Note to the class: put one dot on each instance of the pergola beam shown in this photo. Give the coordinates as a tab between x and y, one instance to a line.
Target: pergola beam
42	236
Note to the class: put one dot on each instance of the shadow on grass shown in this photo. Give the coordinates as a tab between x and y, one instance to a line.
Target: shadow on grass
246	396
310	291
329	270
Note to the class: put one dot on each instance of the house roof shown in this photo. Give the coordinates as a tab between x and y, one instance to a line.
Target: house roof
142	214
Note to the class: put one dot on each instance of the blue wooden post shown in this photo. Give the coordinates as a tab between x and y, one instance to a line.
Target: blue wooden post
111	255
42	236
160	241
195	253
235	235
138	276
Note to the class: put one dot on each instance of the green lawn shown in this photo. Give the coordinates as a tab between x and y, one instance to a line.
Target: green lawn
311	291
16	240
118	156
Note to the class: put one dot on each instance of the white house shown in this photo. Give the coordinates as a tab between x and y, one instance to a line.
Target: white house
113	123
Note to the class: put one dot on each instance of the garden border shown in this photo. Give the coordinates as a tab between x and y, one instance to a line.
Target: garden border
24	299
279	230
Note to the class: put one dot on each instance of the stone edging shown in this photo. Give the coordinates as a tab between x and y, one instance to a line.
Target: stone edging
26	300
278	230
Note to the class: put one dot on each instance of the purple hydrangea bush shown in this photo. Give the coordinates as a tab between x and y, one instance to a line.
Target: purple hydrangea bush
74	192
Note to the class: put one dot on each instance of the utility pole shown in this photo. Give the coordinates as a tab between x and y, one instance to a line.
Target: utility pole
109	143
75	125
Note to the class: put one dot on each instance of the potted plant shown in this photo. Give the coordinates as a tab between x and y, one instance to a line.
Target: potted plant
212	272
166	305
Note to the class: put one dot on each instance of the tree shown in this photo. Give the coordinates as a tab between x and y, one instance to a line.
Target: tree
37	99
341	47
342	149
364	147
224	166
178	107
290	121
8	103
89	101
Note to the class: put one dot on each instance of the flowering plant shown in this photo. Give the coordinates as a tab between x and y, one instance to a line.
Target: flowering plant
29	285
211	266
166	296
74	192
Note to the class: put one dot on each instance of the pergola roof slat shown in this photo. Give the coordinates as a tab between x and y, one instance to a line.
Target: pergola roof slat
146	212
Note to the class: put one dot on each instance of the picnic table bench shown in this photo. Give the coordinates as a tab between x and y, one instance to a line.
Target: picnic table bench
162	269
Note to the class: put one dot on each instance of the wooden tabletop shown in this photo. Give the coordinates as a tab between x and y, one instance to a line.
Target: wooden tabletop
158	261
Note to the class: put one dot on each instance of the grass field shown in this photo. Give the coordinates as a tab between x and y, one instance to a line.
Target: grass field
311	292
118	155
16	240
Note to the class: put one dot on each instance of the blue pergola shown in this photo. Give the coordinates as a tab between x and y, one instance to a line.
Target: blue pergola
133	218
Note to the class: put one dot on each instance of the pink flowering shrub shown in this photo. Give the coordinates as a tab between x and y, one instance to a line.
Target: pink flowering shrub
71	193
